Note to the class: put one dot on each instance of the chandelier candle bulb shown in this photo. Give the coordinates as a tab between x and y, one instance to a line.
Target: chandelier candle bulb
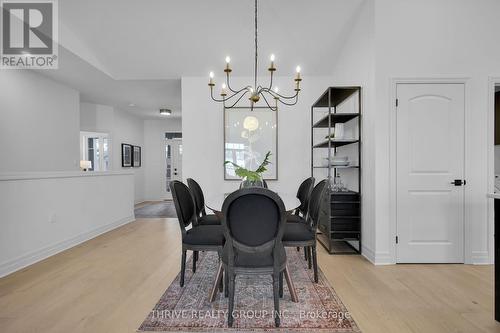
211	82
272	68
228	68
223	91
298	78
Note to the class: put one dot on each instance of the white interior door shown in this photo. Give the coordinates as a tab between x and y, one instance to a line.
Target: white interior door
173	155
430	156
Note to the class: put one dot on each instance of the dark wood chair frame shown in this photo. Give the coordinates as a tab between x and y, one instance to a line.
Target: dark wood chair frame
276	270
183	224
309	246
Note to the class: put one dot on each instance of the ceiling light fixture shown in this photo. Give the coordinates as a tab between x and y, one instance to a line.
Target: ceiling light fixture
255	91
165	112
131	105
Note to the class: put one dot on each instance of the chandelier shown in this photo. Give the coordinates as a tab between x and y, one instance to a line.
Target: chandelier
230	97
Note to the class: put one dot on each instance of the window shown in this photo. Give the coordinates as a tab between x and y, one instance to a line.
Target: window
95	147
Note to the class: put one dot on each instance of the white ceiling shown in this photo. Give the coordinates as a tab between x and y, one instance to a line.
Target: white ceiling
97	87
137	51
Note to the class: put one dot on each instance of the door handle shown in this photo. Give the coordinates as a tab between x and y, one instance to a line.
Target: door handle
458	182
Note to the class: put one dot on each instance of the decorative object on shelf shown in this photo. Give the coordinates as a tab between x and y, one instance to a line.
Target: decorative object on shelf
337	185
85	165
126	155
165	112
248	136
331	135
136	157
255	92
340	222
251	178
339	131
336	161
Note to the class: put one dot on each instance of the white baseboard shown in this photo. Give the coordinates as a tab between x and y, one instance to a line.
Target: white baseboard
481	258
368	254
380	258
21	262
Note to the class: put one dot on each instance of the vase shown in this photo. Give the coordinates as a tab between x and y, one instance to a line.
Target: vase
251	183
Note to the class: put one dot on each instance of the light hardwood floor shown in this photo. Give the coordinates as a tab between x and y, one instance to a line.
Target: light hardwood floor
109	284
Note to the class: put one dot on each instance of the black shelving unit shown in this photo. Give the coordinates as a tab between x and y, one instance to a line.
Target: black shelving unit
340	221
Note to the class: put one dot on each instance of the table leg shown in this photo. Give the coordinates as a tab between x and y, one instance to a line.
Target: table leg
291	287
215	287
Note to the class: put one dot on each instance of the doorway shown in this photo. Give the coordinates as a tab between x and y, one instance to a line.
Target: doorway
173	156
430	159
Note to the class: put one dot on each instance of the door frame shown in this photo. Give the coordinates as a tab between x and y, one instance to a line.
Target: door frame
394	81
167	195
492	82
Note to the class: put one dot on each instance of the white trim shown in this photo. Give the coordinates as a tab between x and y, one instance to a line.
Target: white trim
368	254
61	174
492	82
12	266
394	81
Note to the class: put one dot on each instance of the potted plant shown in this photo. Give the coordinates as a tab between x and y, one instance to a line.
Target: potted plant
251	178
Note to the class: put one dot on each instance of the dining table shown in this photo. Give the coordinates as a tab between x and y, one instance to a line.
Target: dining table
215	202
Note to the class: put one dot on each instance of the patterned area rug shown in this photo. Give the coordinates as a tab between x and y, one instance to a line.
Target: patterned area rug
157	209
189	310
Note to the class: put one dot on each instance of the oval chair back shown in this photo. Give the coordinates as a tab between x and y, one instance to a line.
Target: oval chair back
304	194
253	220
184	204
316	202
199	198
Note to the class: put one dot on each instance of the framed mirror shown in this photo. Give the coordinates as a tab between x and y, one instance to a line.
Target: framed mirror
248	136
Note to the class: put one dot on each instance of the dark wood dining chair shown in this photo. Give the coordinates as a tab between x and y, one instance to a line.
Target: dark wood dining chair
303	194
199	237
300	214
254	220
202	217
304	234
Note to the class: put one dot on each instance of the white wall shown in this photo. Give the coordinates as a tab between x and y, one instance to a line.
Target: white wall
39	123
154	156
438	38
123	128
44	213
202	131
356	67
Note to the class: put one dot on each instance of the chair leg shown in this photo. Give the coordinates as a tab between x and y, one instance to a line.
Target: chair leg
226	284
298	249
315	263
183	267
291	286
309	261
221	283
195	259
281	285
305	252
215	287
276	299
231	300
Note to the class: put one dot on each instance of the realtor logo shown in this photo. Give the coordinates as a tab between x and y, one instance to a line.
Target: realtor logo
29	34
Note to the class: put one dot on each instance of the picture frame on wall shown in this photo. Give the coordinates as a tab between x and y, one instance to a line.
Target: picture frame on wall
136	156
126	155
248	135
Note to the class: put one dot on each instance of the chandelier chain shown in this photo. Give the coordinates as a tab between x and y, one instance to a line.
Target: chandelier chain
256	55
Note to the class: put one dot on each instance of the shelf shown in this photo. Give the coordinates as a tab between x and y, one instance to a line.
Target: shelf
340	220
334	119
337	96
337	167
344	193
334	143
